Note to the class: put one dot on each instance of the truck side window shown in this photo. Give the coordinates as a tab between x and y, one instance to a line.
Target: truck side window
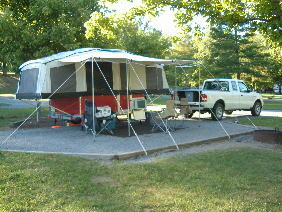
242	87
217	85
224	86
208	86
234	86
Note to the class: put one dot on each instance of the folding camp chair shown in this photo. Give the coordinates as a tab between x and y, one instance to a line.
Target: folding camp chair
88	118
184	110
158	122
162	121
101	123
105	124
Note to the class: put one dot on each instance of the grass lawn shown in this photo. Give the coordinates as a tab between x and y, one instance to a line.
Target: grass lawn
8	83
272	105
8	116
239	179
157	100
271	122
271	96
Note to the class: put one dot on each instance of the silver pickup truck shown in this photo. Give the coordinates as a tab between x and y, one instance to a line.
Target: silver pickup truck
222	95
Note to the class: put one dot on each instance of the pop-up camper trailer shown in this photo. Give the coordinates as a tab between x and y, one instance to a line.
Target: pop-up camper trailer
114	78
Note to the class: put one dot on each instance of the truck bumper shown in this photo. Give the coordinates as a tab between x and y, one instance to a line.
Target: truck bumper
197	107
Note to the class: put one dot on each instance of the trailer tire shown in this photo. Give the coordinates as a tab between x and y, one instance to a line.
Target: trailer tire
76	121
217	111
189	115
228	112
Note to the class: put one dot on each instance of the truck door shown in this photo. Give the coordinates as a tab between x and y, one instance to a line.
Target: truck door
246	97
235	95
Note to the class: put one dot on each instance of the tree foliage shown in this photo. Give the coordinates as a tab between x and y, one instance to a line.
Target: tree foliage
264	16
125	31
234	54
275	70
225	53
36	28
184	48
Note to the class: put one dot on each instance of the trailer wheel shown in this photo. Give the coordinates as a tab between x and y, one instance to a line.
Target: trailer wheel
217	111
256	110
228	112
189	115
76	121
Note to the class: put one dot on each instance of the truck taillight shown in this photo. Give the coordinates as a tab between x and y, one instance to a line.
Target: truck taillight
204	98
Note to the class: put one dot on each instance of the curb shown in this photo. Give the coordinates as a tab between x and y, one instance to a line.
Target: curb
129	155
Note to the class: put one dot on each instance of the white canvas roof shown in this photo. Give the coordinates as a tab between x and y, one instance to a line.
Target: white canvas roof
122	55
87	54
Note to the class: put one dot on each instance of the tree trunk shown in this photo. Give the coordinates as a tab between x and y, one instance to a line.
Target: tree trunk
237	53
5	68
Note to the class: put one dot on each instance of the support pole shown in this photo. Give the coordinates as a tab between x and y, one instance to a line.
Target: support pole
199	94
38	111
93	100
128	97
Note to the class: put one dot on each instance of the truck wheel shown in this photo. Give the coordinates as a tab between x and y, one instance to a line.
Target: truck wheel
217	111
256	109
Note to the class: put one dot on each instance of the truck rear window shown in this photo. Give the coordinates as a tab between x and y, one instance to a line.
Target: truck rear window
216	85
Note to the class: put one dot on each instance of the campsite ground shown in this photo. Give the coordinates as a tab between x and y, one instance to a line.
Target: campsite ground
40	137
8	83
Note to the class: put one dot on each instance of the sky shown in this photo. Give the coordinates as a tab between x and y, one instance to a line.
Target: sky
164	22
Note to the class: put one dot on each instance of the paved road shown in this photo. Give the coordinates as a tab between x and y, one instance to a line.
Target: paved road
12	102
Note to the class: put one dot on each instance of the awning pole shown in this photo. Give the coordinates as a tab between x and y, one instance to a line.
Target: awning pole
93	102
175	84
199	93
128	98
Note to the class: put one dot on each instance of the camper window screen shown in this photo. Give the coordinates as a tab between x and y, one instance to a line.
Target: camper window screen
123	80
28	82
59	75
99	82
154	78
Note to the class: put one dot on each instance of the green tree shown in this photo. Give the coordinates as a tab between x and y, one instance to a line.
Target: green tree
124	31
274	72
183	48
264	16
233	54
36	28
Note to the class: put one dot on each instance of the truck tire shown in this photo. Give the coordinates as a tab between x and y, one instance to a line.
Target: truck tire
217	111
256	110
